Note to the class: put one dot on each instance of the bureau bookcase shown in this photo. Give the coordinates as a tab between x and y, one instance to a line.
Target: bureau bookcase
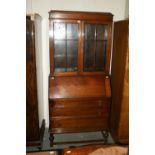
79	84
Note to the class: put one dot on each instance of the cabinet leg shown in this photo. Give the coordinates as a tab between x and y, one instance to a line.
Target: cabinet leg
51	138
105	136
40	147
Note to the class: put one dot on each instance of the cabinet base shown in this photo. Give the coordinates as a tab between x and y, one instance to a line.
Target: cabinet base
39	142
105	135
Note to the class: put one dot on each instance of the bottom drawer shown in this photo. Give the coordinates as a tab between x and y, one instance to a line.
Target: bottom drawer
59	125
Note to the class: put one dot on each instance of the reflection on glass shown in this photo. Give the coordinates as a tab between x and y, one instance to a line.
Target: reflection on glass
100	56
89	31
59	56
95	46
100	32
89	55
72	31
106	33
72	47
65	47
59	31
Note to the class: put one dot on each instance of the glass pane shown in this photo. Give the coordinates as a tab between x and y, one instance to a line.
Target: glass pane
89	55
59	30
65	47
89	47
106	33
89	31
59	56
95	45
100	32
100	56
72	50
72	31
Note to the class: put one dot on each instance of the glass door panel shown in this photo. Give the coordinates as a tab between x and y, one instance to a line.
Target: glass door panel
89	32
72	31
95	46
59	31
65	46
100	56
59	56
89	55
72	47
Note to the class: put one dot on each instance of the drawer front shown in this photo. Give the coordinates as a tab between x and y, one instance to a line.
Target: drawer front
79	108
60	125
78	115
78	111
76	103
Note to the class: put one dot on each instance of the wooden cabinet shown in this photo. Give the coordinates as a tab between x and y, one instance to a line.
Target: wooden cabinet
79	84
33	132
32	120
120	83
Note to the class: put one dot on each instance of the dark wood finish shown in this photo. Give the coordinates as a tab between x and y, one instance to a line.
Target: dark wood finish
51	44
79	101
78	124
108	53
120	83
79	86
81	45
75	15
34	134
32	121
81	108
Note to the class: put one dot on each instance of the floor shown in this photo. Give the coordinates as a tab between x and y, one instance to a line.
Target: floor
71	137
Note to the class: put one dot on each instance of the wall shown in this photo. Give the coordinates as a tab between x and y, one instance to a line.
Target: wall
39	65
127	9
116	7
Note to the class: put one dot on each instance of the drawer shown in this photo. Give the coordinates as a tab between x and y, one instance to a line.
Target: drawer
78	111
77	103
78	124
79	108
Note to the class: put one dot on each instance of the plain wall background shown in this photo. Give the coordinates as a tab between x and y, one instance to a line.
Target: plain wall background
39	64
119	8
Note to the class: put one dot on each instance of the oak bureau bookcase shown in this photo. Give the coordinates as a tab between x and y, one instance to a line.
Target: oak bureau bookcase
79	84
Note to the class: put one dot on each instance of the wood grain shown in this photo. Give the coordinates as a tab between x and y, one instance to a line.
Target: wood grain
78	86
76	15
120	83
32	120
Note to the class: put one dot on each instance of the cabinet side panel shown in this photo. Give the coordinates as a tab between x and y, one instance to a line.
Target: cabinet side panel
120	48
124	116
32	122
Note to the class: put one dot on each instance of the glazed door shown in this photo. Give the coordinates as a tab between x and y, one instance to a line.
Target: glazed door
95	47
65	43
79	47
